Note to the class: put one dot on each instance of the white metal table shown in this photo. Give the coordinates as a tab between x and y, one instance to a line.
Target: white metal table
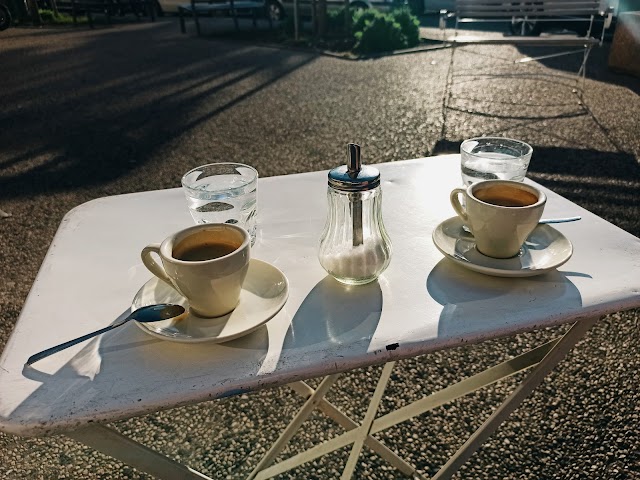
422	303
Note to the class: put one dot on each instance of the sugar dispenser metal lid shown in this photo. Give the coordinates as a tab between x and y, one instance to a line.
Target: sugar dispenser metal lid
354	177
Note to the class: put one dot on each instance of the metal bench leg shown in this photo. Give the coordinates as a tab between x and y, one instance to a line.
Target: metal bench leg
583	68
90	18
183	29
116	445
194	12
234	14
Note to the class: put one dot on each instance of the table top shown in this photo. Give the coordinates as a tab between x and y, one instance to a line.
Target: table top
422	303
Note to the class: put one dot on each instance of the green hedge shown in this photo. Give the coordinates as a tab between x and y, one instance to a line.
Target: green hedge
371	31
50	17
375	31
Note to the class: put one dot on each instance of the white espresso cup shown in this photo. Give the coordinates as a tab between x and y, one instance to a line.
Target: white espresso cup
501	214
206	264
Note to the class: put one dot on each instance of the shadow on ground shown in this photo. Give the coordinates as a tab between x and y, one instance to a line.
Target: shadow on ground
567	63
116	119
571	64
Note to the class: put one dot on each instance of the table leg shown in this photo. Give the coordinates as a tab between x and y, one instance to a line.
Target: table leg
354	433
297	421
116	445
464	387
348	424
534	379
544	358
369	417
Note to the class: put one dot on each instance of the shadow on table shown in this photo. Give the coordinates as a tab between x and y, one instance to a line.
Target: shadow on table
333	313
113	370
474	303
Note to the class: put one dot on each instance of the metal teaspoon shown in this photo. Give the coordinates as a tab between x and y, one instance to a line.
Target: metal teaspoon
149	313
544	221
560	220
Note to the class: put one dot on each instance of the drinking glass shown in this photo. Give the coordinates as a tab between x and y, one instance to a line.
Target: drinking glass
494	158
223	193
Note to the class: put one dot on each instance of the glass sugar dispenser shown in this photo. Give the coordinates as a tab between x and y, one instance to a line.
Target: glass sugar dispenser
354	247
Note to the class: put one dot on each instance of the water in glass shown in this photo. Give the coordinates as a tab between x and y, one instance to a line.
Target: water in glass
224	198
494	166
494	158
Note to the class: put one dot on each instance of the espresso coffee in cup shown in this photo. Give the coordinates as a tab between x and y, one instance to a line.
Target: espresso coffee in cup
198	248
206	264
506	196
500	214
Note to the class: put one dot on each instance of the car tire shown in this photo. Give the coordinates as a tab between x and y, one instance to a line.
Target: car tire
275	10
5	17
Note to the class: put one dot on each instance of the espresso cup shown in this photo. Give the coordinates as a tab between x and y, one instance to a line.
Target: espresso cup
206	264
501	214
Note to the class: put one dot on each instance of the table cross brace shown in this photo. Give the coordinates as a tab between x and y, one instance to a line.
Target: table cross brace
113	443
544	358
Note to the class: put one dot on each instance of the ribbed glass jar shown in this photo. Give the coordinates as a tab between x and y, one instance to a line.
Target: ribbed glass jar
354	247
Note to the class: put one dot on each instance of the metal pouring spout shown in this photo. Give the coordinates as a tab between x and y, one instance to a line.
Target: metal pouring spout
354	163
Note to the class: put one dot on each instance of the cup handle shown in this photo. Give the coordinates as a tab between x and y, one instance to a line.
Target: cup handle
455	203
152	265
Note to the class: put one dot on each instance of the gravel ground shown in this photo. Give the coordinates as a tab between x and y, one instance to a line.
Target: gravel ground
131	107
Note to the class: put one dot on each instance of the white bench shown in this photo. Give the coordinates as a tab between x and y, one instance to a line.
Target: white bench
525	12
226	7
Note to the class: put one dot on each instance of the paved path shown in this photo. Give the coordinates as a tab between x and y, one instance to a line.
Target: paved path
131	107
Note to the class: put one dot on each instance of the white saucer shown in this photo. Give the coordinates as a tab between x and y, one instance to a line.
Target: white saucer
545	249
264	293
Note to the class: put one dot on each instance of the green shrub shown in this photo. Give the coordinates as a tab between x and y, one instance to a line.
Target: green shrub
371	30
409	24
362	17
375	31
47	16
379	35
50	17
